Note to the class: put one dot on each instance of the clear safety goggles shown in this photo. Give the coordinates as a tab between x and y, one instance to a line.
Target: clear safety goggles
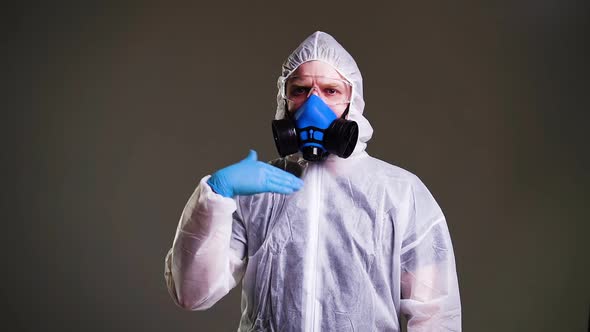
333	91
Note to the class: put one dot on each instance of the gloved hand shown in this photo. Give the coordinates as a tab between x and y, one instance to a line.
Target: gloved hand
249	177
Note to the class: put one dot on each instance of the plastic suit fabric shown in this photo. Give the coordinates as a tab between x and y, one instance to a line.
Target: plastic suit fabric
360	244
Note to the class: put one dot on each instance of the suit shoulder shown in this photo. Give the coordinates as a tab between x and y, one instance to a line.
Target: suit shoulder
388	170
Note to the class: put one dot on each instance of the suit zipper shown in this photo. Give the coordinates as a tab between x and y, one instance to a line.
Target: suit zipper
312	316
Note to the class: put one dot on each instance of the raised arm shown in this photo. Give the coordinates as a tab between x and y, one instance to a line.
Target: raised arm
208	256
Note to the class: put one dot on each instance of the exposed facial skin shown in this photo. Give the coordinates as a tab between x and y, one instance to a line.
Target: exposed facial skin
313	69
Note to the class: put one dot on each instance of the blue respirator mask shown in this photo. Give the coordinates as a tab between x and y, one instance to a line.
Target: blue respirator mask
316	131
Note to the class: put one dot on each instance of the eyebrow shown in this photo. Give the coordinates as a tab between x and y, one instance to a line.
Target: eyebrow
301	80
332	85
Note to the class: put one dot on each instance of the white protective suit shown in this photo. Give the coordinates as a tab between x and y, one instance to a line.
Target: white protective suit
361	243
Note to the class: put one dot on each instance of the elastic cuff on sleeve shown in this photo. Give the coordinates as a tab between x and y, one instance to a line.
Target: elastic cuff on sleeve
211	202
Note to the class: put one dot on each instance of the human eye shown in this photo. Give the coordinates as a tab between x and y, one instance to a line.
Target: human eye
299	90
331	91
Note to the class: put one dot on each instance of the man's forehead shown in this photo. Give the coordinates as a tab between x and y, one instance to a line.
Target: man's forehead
307	78
316	68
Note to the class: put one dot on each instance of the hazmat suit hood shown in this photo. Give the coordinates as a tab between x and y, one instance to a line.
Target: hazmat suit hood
320	46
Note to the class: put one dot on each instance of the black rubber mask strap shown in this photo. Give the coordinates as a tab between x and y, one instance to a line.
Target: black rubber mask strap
343	116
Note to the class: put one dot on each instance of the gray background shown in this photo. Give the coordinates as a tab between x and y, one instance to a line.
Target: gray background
113	112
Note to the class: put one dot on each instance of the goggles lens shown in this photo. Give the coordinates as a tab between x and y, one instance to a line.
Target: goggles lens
333	91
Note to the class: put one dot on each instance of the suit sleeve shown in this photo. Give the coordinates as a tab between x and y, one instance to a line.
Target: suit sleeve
429	286
208	255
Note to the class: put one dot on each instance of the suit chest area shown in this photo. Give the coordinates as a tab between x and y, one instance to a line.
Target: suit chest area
334	219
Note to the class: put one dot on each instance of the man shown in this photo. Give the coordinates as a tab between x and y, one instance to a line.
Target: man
350	247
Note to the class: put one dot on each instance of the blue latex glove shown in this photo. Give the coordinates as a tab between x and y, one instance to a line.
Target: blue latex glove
250	176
